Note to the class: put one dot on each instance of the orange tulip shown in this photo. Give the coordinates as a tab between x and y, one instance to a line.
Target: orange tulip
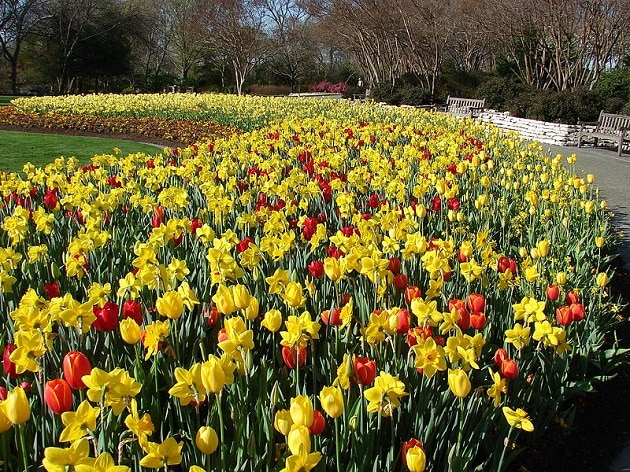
58	396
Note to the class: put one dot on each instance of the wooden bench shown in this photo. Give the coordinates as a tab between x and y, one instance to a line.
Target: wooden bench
469	107
608	126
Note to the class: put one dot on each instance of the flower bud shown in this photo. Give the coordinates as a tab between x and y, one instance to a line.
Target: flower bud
207	440
75	365
331	400
365	370
272	320
170	305
282	422
58	396
319	423
16	407
129	331
459	383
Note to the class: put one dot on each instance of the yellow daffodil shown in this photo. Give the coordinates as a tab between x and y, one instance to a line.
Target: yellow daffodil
168	452
518	419
79	423
57	459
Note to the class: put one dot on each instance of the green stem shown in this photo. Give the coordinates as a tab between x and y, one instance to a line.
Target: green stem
337	445
505	446
23	447
221	431
460	435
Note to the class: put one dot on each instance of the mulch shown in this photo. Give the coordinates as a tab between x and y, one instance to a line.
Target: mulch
159	131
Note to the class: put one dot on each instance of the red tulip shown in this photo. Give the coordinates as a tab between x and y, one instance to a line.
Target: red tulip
553	292
293	357
52	290
412	292
509	369
505	263
319	423
331	317
418	333
106	317
222	335
133	309
499	356
316	269
578	311
158	217
572	297
476	302
400	282
75	365
50	199
477	320
394	265
58	396
7	364
464	314
404	320
3	393
564	315
365	370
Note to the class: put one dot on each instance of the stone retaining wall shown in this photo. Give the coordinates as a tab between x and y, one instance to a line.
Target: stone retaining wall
545	132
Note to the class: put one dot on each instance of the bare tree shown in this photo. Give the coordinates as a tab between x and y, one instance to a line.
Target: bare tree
291	52
236	31
562	44
17	19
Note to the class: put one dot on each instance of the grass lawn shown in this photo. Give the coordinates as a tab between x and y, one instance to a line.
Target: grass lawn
6	99
17	148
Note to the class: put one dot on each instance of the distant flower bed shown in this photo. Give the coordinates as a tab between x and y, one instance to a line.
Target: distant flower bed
318	294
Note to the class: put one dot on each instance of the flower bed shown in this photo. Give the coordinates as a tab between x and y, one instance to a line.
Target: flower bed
318	294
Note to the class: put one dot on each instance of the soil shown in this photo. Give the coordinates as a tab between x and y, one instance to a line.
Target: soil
602	426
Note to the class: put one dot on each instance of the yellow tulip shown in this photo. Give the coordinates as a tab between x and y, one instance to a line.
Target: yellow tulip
299	439
129	331
332	401
241	296
294	295
561	278
416	459
459	383
16	407
170	305
272	320
282	422
602	279
301	411
252	310
212	375
224	300
207	440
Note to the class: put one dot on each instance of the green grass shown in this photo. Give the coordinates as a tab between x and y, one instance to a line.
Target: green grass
18	148
6	99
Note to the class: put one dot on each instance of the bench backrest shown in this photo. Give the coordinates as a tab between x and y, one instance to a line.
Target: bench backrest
612	123
463	105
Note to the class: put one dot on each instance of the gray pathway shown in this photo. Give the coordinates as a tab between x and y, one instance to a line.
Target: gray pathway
612	177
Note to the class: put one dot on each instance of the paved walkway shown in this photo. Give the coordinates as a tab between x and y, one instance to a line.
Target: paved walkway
612	177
